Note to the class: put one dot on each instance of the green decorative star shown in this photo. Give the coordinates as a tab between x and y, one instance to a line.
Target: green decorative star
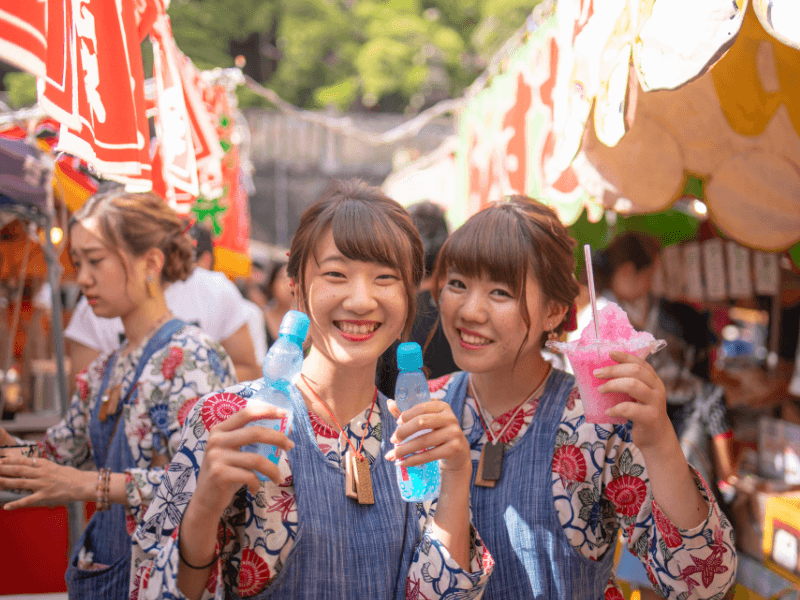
210	209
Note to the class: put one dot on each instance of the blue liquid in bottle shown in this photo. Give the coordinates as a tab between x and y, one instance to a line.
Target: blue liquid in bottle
420	483
282	364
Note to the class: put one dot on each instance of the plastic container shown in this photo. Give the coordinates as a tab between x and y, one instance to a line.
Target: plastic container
420	483
281	366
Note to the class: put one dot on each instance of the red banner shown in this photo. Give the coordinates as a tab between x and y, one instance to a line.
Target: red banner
22	35
114	135
173	125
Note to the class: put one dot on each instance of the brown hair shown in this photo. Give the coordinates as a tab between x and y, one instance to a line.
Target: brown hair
136	222
367	226
506	241
632	246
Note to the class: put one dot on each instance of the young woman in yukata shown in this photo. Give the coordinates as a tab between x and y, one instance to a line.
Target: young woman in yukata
123	425
552	495
215	530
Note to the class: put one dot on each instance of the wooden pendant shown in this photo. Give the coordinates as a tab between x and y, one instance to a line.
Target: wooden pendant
363	481
350	477
109	402
490	466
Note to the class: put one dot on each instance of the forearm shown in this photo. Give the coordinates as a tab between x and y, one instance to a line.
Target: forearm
451	523
673	486
197	543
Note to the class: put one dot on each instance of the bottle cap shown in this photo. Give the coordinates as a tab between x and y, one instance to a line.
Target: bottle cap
409	356
294	324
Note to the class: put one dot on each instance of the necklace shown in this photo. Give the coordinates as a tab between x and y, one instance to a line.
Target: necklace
110	399
490	464
358	480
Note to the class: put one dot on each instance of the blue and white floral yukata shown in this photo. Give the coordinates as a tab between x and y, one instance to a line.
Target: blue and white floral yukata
567	489
305	538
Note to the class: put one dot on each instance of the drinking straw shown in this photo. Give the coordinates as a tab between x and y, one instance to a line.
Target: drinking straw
587	252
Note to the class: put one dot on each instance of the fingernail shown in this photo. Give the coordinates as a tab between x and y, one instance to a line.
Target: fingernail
393	439
390	456
597	372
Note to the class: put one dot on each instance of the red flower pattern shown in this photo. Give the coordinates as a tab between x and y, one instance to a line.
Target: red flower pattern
83	386
211	584
218	407
434	385
613	593
140	580
185	408
320	427
627	494
569	463
172	362
514	426
253	573
672	537
130	524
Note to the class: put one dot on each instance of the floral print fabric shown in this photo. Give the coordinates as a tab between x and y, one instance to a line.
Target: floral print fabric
188	367
256	533
600	486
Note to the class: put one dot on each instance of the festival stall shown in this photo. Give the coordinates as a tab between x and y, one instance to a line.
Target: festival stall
92	122
625	107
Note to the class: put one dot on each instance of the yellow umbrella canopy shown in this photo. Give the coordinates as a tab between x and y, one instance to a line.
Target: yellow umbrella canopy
652	93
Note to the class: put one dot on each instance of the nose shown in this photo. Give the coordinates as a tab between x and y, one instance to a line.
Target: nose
360	297
473	308
84	279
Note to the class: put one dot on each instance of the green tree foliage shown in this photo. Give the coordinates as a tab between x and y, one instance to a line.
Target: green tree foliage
390	55
21	88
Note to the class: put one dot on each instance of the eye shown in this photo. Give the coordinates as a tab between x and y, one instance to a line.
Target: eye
334	274
387	278
95	261
456	283
502	293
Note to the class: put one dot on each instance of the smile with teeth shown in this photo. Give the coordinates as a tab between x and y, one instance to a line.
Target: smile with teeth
356	328
473	339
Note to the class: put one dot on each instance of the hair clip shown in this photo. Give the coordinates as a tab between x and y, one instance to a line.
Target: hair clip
189	225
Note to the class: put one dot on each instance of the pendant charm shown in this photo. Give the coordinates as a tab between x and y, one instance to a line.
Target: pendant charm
110	402
363	481
490	466
103	408
350	477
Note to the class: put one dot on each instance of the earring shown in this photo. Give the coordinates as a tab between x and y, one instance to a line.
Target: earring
552	336
151	287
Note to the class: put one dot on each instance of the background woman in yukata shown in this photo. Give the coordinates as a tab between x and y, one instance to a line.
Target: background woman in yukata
128	408
566	488
215	530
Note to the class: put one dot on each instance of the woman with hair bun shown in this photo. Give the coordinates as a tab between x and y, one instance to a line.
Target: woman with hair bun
553	493
123	425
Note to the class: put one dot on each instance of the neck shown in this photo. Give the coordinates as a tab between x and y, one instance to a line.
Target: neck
346	391
500	392
139	322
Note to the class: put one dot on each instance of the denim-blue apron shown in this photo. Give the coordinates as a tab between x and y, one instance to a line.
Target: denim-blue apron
517	518
106	534
344	549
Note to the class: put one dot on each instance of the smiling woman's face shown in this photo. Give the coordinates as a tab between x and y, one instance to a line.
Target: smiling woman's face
110	288
357	309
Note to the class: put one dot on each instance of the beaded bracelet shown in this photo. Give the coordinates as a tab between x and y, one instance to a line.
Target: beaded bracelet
103	486
213	560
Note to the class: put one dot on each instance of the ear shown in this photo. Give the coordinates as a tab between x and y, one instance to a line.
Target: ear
556	313
154	260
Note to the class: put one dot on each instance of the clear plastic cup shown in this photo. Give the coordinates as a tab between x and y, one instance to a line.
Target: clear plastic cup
594	355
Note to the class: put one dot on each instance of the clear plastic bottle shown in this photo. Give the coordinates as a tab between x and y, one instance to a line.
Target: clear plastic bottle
281	366
420	483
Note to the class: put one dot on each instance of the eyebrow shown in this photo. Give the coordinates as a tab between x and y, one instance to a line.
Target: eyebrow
332	258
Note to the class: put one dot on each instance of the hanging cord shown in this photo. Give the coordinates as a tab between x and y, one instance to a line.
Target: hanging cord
17	299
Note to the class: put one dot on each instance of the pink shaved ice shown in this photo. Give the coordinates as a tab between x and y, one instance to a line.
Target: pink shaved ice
615	326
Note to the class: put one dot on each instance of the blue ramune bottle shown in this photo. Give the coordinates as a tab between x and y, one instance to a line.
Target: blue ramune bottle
420	483
281	366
